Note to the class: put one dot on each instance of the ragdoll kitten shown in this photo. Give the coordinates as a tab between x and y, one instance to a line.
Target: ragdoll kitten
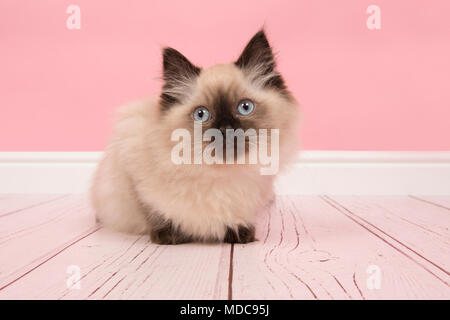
139	189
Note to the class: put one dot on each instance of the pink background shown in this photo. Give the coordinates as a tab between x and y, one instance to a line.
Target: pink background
387	89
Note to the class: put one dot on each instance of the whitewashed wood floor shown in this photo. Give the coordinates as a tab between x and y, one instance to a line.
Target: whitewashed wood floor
322	247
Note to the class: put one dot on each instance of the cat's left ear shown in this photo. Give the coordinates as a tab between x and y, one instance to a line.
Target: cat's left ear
257	52
258	62
178	74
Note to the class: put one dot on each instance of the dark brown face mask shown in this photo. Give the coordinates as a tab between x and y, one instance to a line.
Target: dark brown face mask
177	70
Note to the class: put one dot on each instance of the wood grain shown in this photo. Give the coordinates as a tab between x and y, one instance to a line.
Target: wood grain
308	249
33	235
414	226
12	203
439	201
118	266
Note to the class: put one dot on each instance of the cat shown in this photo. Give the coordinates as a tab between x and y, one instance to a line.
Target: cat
137	188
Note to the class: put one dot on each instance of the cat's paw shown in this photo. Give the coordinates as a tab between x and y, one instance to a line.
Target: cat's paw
243	234
168	235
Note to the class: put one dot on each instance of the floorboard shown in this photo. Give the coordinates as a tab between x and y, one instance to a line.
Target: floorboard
33	235
416	227
309	247
12	203
439	201
117	266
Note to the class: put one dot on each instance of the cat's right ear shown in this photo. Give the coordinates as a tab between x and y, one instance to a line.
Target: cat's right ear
258	63
178	75
257	53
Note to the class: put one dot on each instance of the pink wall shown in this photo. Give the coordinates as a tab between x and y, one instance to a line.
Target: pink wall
385	89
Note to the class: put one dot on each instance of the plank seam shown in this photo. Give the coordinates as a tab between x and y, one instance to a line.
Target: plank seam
33	205
230	274
336	205
71	243
429	202
385	233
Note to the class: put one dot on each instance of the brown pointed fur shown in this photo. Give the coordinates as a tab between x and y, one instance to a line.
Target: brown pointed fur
138	189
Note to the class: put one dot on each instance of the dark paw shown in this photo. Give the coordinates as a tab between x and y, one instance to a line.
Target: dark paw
242	235
168	235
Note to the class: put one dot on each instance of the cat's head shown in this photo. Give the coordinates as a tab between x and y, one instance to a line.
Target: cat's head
248	93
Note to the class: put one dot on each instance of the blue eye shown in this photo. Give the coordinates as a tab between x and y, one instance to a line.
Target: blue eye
201	114
245	107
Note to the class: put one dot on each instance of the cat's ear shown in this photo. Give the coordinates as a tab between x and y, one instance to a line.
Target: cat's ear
257	53
178	75
258	62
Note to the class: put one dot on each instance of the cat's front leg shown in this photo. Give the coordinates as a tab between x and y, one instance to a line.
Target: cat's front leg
168	234
243	234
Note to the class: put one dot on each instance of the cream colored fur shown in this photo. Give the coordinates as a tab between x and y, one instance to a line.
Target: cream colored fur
137	173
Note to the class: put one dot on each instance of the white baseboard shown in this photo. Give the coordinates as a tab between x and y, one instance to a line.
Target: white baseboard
316	172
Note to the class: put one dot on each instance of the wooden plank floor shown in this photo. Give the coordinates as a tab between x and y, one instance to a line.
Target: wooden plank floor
309	247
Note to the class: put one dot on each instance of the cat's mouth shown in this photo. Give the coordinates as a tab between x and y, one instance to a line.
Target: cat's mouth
254	148
234	150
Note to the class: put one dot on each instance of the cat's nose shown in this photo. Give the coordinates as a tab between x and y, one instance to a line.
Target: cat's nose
223	129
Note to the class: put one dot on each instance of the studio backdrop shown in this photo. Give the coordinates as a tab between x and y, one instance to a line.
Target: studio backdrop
371	76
